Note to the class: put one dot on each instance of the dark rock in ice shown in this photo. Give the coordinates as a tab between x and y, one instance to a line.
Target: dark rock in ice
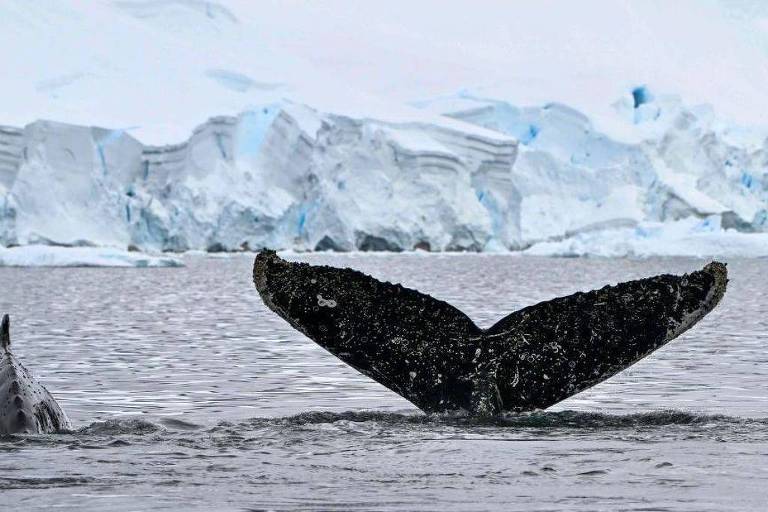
433	355
328	244
25	405
376	243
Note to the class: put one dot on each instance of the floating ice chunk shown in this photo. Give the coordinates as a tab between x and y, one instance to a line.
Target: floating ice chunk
49	256
689	237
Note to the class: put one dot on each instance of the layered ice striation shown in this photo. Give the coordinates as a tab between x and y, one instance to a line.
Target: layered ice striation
482	175
281	176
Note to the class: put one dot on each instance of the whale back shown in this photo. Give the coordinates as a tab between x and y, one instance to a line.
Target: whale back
25	405
5	333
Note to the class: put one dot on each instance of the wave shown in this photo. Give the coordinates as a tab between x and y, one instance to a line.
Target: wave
560	420
120	426
539	419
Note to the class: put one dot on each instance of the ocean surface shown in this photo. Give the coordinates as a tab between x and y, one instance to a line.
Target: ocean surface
188	394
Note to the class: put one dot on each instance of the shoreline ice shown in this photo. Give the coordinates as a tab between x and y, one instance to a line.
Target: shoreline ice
52	256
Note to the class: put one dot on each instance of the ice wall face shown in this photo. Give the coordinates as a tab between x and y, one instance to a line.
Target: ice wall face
71	183
374	186
569	178
679	163
11	151
283	176
485	176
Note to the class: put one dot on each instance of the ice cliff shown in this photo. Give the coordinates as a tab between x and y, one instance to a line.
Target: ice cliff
487	176
283	176
662	164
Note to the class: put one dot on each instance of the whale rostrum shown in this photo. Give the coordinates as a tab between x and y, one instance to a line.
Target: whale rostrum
433	355
25	405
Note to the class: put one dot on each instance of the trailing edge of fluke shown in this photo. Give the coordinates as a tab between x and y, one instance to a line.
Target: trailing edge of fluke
433	355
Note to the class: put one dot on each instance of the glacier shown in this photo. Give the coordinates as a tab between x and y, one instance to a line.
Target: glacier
283	176
664	162
487	176
564	138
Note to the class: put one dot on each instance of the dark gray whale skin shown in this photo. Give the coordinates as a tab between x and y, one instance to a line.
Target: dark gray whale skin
26	407
433	355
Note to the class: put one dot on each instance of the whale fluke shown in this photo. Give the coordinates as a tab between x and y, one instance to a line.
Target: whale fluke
25	405
433	355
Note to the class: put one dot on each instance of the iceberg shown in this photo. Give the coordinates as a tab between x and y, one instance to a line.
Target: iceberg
51	256
690	237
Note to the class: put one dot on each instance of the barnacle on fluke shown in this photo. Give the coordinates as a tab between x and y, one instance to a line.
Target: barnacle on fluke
433	355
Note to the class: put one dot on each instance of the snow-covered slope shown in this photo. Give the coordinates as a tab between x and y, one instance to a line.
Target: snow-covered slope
158	68
324	131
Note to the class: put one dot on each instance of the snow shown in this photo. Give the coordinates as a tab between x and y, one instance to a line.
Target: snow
701	239
51	256
158	68
183	125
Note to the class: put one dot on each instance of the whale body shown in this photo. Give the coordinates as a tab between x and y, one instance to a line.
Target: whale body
433	355
25	405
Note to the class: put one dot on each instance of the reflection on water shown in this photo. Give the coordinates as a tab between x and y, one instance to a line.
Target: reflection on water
187	394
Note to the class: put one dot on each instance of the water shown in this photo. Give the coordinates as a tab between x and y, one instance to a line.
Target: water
187	394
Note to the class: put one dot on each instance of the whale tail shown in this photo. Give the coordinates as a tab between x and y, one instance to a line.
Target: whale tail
5	332
433	355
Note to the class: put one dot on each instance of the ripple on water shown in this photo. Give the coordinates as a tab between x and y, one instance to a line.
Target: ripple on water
190	395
